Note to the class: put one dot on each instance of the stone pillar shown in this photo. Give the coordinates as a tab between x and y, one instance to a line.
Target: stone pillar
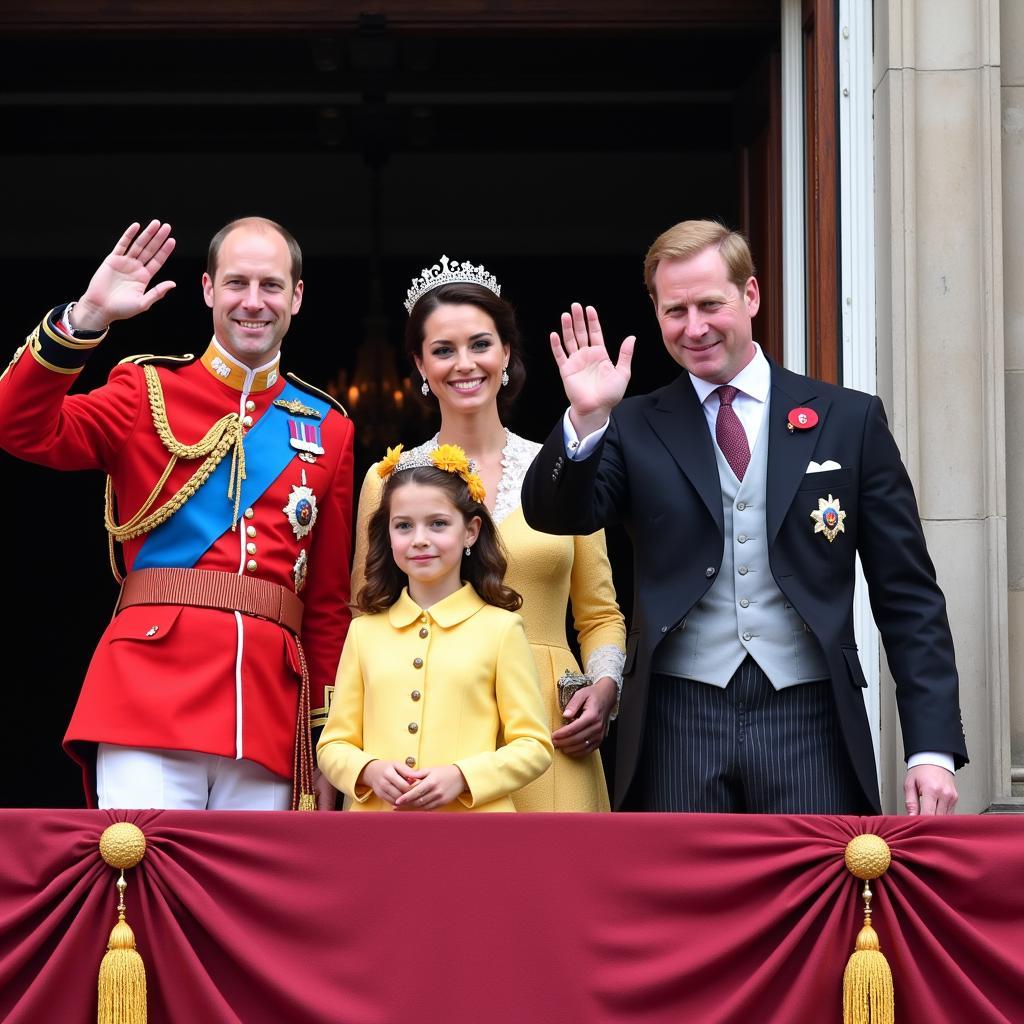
1012	45
939	328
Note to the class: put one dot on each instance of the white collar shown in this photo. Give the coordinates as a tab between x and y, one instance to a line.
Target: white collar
755	379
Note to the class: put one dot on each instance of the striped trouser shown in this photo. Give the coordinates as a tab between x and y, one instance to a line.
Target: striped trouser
747	747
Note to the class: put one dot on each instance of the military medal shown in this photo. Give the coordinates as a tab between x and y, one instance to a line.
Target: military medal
301	509
801	419
297	408
299	571
828	518
305	439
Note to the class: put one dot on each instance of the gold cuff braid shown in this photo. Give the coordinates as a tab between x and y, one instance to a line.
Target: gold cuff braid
226	434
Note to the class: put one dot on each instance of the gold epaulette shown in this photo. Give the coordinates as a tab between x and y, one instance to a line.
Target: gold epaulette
151	360
300	383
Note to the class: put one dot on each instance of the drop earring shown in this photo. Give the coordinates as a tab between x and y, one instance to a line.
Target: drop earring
504	376
424	387
469	551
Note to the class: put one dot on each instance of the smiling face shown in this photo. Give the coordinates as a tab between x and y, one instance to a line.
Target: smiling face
428	535
462	357
252	294
705	318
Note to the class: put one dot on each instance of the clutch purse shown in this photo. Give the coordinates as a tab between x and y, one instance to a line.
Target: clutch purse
568	683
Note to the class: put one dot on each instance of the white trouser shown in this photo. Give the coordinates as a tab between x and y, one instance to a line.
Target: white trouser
186	780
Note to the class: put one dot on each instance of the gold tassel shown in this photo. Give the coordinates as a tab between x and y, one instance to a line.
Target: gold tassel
122	977
867	981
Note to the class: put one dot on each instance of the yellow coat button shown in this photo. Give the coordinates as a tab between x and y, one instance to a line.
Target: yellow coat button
250	531
424	632
251	565
413	727
251	548
249	513
417	663
411	762
415	694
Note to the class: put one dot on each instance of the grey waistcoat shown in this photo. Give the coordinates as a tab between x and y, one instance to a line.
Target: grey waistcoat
744	612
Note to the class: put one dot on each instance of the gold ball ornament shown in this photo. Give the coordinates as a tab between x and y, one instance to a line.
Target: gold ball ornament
867	856
122	845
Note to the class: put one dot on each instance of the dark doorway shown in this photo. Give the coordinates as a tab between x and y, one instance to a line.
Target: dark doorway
553	157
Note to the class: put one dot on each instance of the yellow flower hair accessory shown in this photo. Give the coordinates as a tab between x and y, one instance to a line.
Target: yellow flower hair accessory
477	491
452	459
387	465
449	458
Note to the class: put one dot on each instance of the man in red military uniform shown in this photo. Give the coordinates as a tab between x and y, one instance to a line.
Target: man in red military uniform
230	489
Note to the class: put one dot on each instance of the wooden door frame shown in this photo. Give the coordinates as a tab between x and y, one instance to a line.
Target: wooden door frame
821	188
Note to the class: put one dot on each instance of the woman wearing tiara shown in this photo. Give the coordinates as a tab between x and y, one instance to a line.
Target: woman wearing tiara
462	337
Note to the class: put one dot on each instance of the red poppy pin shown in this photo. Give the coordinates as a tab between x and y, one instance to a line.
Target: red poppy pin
801	419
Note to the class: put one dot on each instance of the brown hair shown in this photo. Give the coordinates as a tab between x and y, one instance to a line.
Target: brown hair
260	223
484	569
500	311
687	239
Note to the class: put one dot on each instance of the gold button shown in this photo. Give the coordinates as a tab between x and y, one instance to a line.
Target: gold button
413	727
423	618
250	531
424	632
411	762
415	694
250	406
249	513
246	421
251	548
417	663
251	565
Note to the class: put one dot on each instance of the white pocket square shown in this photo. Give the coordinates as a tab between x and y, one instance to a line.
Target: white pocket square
813	467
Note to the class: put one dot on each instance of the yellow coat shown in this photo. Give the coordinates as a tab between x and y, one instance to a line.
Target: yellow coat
549	572
472	700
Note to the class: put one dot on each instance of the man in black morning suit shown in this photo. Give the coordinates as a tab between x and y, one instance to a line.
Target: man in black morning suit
747	491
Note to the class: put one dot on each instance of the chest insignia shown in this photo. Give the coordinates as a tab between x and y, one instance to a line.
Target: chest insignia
301	510
828	518
305	439
297	408
801	418
299	571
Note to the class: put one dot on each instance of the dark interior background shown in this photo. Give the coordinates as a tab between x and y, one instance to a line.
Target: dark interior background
554	160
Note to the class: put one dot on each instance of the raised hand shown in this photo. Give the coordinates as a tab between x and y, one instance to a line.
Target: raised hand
593	384
118	289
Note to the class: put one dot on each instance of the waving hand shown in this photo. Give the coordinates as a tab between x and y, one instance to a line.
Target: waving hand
593	384
120	288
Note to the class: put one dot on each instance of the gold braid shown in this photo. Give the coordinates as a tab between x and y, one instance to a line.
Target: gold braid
225	434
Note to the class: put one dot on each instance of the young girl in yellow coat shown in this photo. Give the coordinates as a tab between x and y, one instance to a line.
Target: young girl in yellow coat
437	702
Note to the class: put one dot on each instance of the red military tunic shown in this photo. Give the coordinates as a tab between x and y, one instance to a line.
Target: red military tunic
188	678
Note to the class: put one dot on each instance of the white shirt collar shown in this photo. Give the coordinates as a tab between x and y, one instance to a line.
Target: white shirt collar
754	380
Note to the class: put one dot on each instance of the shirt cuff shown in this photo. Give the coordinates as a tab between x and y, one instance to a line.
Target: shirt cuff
936	757
578	449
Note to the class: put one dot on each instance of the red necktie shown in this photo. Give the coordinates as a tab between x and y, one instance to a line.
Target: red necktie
729	432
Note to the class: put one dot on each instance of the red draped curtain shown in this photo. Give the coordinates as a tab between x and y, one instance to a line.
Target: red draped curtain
290	917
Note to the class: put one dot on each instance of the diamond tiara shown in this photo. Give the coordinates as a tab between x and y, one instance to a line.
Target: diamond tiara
449	272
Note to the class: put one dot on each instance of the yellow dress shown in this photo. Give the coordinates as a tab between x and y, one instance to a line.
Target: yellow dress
548	572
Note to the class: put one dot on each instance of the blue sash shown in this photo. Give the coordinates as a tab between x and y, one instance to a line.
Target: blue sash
185	537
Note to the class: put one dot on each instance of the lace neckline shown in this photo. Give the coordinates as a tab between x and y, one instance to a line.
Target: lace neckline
516	457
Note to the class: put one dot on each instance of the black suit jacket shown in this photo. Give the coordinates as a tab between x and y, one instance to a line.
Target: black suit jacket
655	472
